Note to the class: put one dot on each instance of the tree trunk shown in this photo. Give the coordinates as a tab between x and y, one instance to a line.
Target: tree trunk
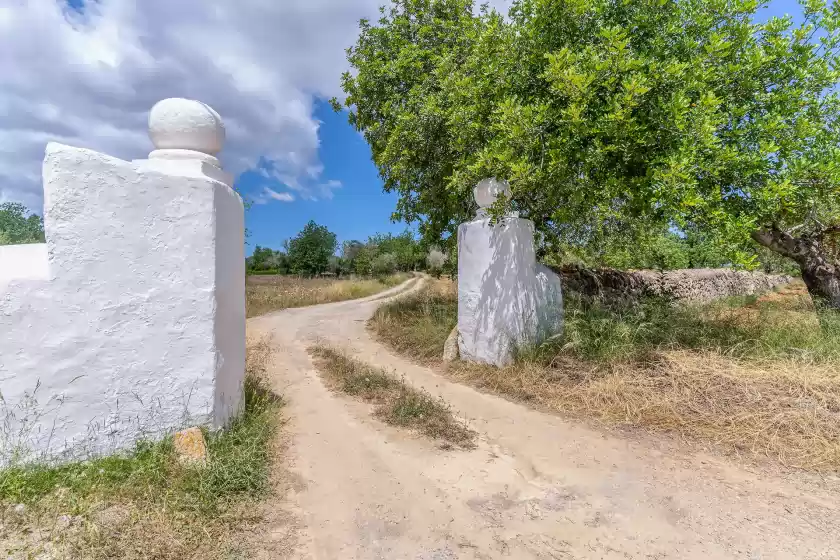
823	287
820	271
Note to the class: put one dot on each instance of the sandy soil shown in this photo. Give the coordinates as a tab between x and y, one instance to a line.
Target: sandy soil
537	486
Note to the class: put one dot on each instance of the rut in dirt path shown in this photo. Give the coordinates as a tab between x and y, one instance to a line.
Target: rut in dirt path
536	486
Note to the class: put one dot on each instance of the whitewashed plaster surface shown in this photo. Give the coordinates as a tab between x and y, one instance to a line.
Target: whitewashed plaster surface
137	326
23	261
506	300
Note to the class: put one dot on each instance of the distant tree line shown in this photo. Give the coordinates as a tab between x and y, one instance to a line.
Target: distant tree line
313	252
19	226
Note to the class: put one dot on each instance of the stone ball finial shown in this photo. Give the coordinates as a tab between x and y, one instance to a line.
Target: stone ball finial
184	124
488	190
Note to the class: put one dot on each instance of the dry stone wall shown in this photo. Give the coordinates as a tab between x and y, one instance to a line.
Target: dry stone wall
689	286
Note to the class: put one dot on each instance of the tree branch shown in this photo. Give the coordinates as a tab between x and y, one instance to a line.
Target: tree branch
794	228
779	241
827	231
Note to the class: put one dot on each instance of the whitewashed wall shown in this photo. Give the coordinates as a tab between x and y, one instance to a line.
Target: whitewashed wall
131	324
23	261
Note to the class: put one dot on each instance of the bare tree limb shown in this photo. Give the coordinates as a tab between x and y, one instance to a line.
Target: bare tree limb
828	231
781	242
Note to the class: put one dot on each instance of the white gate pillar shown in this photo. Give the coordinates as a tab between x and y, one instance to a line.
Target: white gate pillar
129	323
506	300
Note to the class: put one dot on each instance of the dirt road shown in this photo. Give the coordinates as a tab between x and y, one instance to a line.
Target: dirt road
537	486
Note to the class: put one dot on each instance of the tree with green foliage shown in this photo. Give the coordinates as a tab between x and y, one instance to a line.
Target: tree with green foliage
349	249
310	251
648	115
404	247
435	261
265	259
334	265
384	264
363	261
654	249
667	251
18	228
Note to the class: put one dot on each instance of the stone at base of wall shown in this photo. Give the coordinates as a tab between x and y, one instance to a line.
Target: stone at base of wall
690	286
190	447
450	348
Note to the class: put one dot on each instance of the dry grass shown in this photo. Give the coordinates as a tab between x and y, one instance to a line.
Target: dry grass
145	505
418	325
397	403
761	410
265	294
757	377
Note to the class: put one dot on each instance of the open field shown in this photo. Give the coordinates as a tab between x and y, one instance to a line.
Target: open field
145	504
751	376
264	294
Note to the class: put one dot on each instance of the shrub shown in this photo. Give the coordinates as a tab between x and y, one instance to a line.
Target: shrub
435	261
384	264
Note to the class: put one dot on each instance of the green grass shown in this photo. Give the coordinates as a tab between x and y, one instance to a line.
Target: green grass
743	328
397	403
748	327
418	324
171	510
238	465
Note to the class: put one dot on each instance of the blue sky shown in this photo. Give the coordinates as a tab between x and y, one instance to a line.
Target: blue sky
358	209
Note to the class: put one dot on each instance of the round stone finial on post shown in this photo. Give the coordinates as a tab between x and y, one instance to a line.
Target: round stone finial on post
487	191
185	129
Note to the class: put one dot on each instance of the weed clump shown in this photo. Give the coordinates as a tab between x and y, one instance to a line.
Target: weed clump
397	403
418	324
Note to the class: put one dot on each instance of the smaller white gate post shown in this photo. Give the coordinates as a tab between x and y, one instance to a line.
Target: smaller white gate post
506	300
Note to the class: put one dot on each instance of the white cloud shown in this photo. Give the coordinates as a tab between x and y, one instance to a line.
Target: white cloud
326	189
282	197
90	79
